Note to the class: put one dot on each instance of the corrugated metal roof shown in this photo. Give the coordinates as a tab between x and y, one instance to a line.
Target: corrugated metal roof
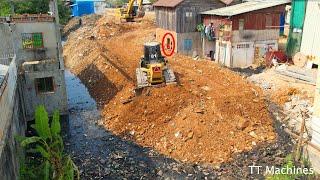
167	3
245	7
174	3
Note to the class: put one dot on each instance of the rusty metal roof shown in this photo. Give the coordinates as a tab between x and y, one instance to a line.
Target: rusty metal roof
245	7
174	3
167	3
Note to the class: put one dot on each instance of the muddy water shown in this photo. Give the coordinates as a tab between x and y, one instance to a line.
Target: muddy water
101	155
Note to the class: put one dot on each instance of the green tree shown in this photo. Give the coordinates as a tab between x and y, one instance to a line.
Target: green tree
45	157
34	7
4	8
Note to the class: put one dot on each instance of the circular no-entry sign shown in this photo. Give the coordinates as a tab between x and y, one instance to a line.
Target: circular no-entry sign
168	44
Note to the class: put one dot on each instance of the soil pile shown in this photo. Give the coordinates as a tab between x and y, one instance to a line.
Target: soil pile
209	116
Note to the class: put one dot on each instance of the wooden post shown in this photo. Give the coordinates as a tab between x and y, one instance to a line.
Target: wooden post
300	141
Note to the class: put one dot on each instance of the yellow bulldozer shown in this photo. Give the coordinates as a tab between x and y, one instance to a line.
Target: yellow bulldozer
130	11
153	68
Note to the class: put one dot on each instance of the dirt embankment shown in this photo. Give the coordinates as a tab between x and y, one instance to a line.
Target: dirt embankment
208	117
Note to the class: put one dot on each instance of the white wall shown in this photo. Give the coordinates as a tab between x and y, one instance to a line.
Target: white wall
242	54
99	7
255	35
223	53
311	31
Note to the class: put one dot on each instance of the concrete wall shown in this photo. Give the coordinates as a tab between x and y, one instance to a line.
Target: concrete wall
49	40
12	123
179	41
6	46
52	100
207	47
255	35
196	43
310	45
223	53
31	57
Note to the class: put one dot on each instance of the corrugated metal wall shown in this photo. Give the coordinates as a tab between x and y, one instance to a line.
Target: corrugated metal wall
296	25
85	7
311	35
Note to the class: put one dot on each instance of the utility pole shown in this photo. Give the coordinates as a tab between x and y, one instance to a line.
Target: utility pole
11	6
53	6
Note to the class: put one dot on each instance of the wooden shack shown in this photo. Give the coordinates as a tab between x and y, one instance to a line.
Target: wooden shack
180	18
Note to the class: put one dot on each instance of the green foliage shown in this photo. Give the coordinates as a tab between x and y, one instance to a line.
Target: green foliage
31	7
55	124
42	123
118	2
34	7
4	8
289	164
45	158
64	12
153	1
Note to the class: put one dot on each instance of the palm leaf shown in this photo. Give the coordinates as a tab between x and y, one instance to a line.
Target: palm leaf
19	138
55	124
30	140
46	170
43	152
68	169
42	122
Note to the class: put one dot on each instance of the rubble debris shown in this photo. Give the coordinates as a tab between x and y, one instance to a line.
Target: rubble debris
275	57
296	110
301	74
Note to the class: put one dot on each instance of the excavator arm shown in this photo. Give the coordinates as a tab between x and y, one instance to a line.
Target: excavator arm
130	6
128	13
140	12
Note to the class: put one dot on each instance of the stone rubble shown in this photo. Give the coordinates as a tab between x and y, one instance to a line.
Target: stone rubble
296	110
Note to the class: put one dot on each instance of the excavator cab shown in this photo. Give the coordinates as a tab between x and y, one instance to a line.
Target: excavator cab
130	11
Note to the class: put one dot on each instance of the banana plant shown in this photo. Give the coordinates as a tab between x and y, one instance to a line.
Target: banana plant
48	148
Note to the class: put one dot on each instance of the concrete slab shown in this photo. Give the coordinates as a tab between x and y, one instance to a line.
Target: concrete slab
3	72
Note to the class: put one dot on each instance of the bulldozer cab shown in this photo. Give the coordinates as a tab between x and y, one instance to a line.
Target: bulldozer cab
152	53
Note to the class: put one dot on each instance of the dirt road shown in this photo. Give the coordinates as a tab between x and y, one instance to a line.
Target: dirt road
210	117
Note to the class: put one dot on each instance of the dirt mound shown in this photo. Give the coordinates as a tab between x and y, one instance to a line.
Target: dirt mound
208	117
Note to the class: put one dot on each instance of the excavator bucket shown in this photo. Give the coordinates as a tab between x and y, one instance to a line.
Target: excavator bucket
140	14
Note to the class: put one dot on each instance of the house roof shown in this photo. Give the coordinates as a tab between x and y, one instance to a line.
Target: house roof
174	3
167	3
245	7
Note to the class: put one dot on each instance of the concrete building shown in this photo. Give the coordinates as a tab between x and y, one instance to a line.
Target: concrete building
31	74
38	58
180	18
310	47
12	120
242	33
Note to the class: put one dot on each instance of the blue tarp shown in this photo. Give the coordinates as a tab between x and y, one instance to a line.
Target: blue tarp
83	7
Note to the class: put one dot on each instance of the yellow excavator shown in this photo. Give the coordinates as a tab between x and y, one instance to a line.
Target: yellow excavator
129	12
153	68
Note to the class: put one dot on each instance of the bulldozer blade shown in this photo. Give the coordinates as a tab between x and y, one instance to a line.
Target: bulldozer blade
142	79
169	76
